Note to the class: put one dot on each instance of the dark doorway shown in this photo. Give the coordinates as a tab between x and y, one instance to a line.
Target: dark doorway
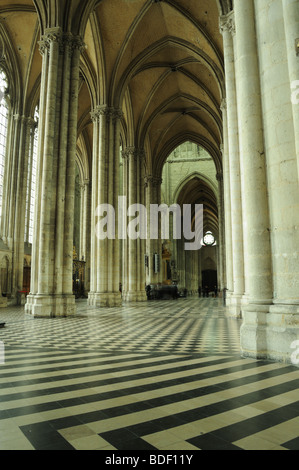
209	279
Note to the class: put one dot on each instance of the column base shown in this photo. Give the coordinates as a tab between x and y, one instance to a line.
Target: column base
50	306
138	296
271	332
235	305
3	302
105	299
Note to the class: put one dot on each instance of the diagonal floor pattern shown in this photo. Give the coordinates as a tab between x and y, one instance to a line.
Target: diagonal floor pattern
153	376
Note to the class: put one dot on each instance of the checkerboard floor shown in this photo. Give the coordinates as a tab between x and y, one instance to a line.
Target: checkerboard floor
153	376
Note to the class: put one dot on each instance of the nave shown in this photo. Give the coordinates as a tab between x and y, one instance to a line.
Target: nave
164	376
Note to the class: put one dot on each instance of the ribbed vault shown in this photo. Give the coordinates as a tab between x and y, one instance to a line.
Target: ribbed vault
198	191
160	61
166	57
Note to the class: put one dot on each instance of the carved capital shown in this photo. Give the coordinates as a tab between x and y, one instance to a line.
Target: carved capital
223	105
65	41
227	23
133	152
108	112
154	181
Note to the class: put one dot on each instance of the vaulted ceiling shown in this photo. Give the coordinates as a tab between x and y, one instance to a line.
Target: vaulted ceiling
160	61
197	191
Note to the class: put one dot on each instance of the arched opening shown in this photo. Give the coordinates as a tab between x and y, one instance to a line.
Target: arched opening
189	179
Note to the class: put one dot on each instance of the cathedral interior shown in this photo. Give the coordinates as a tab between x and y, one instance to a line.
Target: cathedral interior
120	335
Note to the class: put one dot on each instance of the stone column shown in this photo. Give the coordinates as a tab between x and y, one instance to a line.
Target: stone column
291	21
200	269
52	261
142	243
28	171
153	196
227	206
7	179
134	284
256	221
15	147
228	29
125	272
105	275
26	150
281	325
221	238
85	231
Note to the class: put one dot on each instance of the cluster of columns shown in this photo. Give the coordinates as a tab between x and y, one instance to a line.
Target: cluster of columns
85	230
104	273
19	148
259	186
134	250
153	246
261	268
52	261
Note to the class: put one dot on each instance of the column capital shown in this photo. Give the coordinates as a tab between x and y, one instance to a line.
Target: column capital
29	122
133	152
223	105
227	23
107	111
155	181
63	39
84	185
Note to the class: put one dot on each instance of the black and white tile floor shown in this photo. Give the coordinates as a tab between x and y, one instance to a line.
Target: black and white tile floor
157	376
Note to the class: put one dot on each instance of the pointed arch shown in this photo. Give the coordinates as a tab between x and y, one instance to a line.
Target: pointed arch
200	176
70	15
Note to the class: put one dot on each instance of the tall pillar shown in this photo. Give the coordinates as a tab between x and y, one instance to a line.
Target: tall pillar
52	261
85	231
134	284
200	269
15	143
256	223
227	206
141	242
291	21
153	247
105	275
221	238
227	30
26	146
281	324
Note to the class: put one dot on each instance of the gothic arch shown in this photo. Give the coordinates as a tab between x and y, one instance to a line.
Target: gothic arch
191	176
137	65
70	15
181	138
9	63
